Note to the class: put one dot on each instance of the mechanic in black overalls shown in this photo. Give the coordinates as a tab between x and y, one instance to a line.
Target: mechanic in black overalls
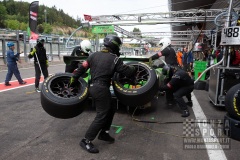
83	50
40	59
102	66
167	51
181	84
171	59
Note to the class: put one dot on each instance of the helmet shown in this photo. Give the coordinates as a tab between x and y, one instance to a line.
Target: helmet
86	46
113	42
163	43
40	40
10	44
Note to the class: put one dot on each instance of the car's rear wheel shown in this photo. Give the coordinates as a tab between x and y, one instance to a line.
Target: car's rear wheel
139	91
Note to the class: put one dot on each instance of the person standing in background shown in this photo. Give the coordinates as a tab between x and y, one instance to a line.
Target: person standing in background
12	65
187	61
179	57
40	60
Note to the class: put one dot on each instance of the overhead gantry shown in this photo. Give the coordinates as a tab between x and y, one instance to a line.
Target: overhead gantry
191	16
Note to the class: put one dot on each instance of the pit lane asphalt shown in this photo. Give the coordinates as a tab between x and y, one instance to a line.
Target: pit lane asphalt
27	132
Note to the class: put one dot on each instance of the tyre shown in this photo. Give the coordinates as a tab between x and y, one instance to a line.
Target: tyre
140	91
60	100
200	85
231	127
207	86
232	102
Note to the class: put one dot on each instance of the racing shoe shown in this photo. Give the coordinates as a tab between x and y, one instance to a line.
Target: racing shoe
161	93
23	82
87	145
185	113
7	84
104	136
171	102
189	103
37	90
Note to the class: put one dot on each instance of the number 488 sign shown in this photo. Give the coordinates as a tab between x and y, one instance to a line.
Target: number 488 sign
230	36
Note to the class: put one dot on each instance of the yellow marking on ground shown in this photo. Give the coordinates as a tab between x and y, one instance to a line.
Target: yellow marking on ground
31	92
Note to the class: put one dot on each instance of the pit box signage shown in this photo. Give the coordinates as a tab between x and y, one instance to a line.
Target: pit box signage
230	36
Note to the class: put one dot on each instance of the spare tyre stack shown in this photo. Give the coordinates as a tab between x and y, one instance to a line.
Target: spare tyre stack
231	124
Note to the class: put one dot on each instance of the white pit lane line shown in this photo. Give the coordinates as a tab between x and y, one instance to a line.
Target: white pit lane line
213	154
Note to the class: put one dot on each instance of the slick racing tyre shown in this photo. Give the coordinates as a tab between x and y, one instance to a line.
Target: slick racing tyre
60	100
232	102
231	127
139	90
200	85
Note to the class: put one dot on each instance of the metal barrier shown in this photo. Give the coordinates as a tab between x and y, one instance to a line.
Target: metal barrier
21	40
54	48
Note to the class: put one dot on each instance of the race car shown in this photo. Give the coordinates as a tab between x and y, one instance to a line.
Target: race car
62	101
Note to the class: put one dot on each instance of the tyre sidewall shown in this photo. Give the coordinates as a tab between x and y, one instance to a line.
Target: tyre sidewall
232	102
47	92
139	96
62	107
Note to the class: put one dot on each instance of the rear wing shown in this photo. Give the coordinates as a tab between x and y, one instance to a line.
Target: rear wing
68	59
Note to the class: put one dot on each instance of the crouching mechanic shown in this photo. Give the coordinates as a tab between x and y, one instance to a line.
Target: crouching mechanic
83	50
181	84
102	66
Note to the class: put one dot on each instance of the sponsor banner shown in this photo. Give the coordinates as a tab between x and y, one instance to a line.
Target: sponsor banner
103	29
33	13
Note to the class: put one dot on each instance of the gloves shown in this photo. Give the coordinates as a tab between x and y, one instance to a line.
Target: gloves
163	88
133	74
133	69
73	82
32	52
30	56
154	66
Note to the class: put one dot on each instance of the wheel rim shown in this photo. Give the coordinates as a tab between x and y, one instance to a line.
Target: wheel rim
60	88
141	78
